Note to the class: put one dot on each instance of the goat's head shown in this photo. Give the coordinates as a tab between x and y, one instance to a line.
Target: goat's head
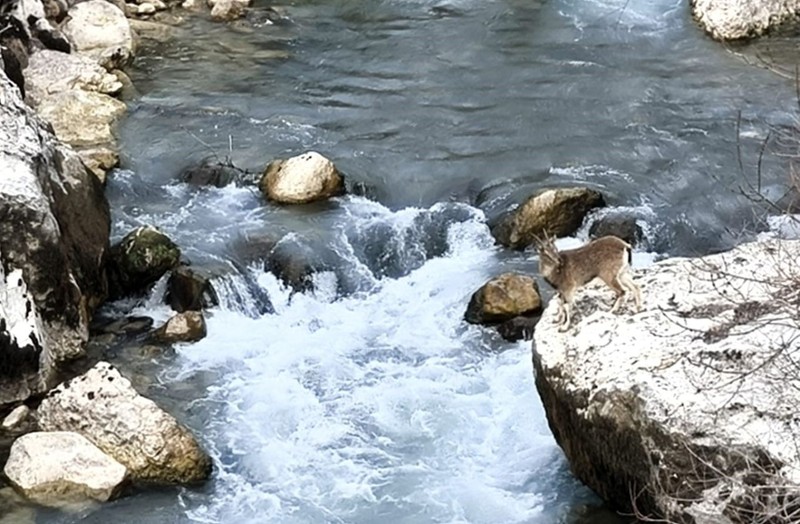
550	260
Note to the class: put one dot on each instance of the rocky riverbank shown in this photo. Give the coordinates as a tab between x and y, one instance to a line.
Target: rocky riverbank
687	410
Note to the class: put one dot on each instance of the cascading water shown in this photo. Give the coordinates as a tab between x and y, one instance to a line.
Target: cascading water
364	397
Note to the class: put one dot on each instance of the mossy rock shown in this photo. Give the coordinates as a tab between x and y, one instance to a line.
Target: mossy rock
139	260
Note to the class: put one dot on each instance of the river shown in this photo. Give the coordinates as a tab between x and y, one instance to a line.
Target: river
368	399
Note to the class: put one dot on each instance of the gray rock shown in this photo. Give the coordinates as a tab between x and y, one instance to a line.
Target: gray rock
518	328
53	241
737	19
82	118
102	406
188	290
688	409
62	469
618	225
100	30
51	72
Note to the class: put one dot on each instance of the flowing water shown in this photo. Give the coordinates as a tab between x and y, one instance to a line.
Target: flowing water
367	398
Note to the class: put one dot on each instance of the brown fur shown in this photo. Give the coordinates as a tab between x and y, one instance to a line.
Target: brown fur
607	258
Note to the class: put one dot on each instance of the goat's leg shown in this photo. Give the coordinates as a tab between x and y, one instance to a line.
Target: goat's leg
561	313
566	302
619	290
627	281
565	325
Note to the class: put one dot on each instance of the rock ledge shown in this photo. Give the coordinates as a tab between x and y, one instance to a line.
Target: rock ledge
686	410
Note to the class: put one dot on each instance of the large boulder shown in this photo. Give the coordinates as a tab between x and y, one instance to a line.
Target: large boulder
100	30
301	179
62	468
737	19
558	212
503	298
50	72
688	410
141	258
53	247
102	406
82	118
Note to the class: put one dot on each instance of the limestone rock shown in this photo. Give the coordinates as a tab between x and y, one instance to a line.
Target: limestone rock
99	160
301	179
53	244
559	212
50	72
102	406
503	298
142	257
60	468
737	19
228	10
189	326
100	30
188	290
82	118
690	405
16	418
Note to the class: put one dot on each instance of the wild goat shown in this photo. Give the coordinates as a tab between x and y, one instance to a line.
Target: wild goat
607	257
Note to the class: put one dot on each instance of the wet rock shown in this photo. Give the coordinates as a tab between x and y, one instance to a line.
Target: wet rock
82	118
618	225
228	10
294	262
63	468
188	290
102	406
301	179
737	19
503	298
16	418
14	509
53	244
154	31
131	325
100	30
51	72
128	91
189	326
518	328
211	172
689	405
559	212
141	258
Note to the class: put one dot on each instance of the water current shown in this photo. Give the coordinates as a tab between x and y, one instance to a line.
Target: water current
367	398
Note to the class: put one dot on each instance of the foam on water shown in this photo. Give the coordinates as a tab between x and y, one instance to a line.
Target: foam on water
385	406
